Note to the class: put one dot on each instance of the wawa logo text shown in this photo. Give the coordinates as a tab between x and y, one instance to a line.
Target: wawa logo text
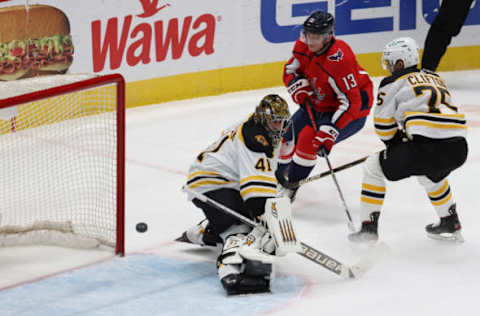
136	41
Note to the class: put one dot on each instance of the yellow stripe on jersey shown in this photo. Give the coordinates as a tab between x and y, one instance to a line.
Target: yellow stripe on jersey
440	115
419	122
435	120
245	192
381	120
202	173
258	185
435	125
258	178
385	128
208	182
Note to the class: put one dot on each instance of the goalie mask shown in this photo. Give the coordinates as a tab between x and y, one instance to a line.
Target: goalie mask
403	48
273	114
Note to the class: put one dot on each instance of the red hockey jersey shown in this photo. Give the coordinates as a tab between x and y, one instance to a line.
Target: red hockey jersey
340	84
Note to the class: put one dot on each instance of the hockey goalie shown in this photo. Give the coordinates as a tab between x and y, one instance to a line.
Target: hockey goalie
236	173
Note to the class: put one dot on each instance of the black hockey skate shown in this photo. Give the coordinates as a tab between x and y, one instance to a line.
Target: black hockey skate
449	227
254	279
201	234
369	230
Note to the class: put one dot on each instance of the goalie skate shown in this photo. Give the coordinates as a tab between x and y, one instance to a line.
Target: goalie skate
200	234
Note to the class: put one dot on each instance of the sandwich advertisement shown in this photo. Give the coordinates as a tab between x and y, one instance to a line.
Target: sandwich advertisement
34	41
173	49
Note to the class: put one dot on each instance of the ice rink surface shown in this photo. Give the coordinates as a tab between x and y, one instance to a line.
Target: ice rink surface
418	276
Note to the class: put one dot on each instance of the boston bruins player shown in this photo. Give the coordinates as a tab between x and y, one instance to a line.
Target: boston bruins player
424	135
237	171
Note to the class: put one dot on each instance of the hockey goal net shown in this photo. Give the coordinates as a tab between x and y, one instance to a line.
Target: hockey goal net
62	161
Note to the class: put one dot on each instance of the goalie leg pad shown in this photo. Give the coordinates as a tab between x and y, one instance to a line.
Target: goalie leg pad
278	216
240	275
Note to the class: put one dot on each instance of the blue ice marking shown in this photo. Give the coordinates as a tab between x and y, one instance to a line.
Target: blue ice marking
142	285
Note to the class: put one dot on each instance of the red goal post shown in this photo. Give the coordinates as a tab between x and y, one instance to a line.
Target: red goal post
62	161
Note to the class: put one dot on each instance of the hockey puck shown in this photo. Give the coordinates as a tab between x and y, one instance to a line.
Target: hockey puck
141	227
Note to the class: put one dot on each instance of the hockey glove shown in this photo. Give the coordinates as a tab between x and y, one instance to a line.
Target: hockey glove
300	90
324	139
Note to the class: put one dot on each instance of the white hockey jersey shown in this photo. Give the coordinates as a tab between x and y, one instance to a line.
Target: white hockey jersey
419	103
241	159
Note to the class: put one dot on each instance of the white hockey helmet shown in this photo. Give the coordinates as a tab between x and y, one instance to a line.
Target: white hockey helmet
403	48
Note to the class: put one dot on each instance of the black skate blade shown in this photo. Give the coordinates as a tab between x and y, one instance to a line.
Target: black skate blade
451	237
184	238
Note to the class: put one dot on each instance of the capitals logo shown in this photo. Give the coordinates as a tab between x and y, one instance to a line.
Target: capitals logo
337	56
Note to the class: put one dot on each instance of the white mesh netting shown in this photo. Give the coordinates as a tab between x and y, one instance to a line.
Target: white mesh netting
58	160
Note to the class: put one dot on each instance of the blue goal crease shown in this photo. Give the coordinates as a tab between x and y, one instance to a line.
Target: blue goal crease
145	285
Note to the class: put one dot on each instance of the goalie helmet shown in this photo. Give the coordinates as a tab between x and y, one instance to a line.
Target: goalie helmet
273	114
319	22
403	48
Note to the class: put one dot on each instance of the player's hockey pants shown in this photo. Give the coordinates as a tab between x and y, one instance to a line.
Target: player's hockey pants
429	157
228	197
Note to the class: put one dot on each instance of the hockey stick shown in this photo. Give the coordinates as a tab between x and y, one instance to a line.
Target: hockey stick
308	252
351	226
328	172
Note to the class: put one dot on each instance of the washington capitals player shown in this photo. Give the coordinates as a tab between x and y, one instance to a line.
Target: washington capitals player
424	134
335	95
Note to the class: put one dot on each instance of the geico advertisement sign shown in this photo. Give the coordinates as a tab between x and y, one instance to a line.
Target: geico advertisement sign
352	17
131	39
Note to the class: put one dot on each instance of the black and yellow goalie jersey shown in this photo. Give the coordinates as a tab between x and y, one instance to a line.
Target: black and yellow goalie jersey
241	159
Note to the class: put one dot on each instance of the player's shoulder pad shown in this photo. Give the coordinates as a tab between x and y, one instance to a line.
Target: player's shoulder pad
390	79
256	138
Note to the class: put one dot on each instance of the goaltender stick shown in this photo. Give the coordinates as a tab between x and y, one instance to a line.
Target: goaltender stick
237	172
